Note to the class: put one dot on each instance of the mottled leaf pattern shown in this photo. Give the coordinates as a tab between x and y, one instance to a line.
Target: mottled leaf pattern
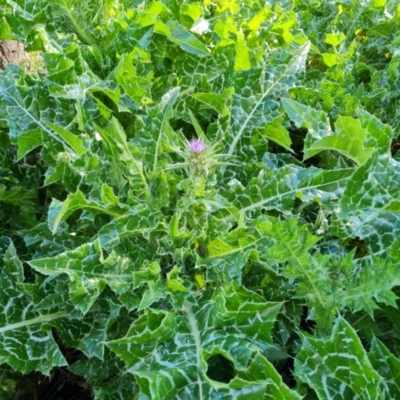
89	272
388	366
171	354
181	272
24	345
253	98
338	368
26	110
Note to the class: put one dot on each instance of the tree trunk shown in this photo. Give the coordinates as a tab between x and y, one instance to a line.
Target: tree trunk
11	52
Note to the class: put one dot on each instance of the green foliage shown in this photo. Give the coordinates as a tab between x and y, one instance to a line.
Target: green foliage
202	270
338	368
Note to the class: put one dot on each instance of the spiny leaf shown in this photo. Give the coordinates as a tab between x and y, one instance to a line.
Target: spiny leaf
356	138
89	273
370	202
338	367
388	366
247	107
277	188
186	40
60	211
24	345
28	107
75	143
216	323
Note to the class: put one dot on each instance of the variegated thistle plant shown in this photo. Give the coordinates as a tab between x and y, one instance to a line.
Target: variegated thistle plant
199	215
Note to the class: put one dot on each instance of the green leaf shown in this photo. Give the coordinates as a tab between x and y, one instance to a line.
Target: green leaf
139	222
187	41
118	150
174	282
109	91
60	211
217	323
277	133
27	106
194	11
89	272
107	195
259	18
253	93
388	366
369	203
28	141
242	60
218	102
89	333
338	366
278	188
150	14
349	139
17	196
354	138
107	378
197	127
24	345
228	254
290	241
85	269
160	122
75	143
335	38
76	19
133	74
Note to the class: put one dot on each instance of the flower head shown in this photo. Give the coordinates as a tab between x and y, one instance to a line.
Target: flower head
196	146
201	157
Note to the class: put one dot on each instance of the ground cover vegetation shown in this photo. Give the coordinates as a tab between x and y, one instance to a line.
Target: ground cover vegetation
200	199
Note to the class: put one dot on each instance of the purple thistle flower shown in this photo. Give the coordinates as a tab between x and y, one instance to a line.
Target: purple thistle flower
196	146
